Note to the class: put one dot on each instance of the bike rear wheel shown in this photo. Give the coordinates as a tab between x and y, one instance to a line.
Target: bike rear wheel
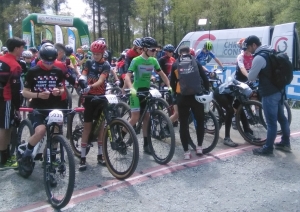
59	172
255	117
211	133
162	104
161	137
121	154
75	128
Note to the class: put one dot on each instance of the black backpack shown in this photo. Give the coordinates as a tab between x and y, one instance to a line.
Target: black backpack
281	68
189	77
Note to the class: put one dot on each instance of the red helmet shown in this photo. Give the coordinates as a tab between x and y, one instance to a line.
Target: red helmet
192	52
98	46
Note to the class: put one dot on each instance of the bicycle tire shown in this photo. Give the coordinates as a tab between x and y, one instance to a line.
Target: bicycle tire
257	119
218	112
13	144
214	132
120	148
162	104
122	110
289	116
24	123
80	104
74	135
170	145
64	148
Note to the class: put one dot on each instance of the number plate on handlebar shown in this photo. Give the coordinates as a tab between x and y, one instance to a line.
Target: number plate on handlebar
112	99
155	93
55	116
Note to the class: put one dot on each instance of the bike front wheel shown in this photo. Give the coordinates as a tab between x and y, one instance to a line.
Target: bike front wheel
120	151
161	137
59	172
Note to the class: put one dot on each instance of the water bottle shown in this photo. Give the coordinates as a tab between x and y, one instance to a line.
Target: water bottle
206	107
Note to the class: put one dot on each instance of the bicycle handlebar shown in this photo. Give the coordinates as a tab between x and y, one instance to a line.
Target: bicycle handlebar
28	109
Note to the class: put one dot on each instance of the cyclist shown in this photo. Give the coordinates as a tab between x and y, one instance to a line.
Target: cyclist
202	55
113	73
44	85
92	81
167	60
71	59
225	98
187	102
142	66
10	86
86	56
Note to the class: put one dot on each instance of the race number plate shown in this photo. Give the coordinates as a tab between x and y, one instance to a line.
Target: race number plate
55	116
112	99
155	93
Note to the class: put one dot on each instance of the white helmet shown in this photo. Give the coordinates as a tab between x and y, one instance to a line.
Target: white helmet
85	48
27	54
205	98
137	42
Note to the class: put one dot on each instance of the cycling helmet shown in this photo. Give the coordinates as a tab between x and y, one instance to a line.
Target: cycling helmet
69	50
98	46
149	42
103	39
137	42
192	52
27	54
105	55
33	50
208	45
85	48
114	59
4	49
204	98
48	52
169	48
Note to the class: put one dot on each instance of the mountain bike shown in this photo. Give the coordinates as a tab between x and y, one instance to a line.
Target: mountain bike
59	165
121	154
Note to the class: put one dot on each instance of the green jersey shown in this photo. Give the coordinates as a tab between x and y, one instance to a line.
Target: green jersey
142	69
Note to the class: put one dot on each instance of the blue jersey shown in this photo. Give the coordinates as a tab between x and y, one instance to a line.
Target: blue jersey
202	57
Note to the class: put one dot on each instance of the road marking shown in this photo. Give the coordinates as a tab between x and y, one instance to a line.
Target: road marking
148	174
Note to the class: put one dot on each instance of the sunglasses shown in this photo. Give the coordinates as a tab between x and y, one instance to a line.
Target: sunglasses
151	49
48	62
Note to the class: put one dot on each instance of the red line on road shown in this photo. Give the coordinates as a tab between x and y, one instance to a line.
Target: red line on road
153	172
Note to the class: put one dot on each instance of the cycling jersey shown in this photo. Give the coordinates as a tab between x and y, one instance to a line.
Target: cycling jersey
73	60
142	69
166	63
243	61
93	70
202	56
130	54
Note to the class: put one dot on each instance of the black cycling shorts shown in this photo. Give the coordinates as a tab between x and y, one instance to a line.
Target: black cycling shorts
92	109
6	114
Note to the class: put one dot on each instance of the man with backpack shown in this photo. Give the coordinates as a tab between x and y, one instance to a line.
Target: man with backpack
274	72
188	80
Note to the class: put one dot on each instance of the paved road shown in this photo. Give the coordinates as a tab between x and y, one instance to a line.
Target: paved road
229	179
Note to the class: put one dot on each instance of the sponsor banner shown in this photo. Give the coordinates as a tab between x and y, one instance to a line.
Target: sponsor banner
49	35
85	40
27	38
55	20
10	33
58	35
32	32
71	39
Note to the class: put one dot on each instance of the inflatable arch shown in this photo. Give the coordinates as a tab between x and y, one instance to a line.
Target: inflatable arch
44	19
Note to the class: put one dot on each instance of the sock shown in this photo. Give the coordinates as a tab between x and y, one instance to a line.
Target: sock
3	157
83	150
100	148
145	141
29	150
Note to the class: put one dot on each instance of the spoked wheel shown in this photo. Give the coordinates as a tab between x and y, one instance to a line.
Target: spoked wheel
59	172
25	130
121	154
256	131
122	110
161	137
211	133
288	115
75	128
162	104
80	104
218	112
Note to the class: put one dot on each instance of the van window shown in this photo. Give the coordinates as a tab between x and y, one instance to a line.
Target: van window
183	43
296	52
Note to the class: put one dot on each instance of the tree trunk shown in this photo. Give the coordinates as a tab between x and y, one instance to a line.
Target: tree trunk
99	20
94	21
121	24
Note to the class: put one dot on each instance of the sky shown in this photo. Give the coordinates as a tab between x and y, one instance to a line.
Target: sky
78	8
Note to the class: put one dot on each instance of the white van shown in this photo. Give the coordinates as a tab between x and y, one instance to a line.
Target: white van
283	38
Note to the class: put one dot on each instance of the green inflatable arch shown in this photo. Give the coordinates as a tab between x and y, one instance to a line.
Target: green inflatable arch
44	19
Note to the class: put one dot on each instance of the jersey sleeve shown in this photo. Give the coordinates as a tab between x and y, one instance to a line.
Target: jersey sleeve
105	69
240	61
212	55
157	67
29	79
86	67
133	66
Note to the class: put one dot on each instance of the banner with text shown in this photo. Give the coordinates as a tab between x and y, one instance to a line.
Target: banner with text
49	35
58	35
71	39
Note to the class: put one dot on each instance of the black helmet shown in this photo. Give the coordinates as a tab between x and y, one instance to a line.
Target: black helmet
69	50
149	42
48	52
169	48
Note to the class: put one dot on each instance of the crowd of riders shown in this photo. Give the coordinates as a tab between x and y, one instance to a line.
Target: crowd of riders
42	73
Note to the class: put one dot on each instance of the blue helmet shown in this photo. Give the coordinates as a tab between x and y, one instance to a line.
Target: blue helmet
169	48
